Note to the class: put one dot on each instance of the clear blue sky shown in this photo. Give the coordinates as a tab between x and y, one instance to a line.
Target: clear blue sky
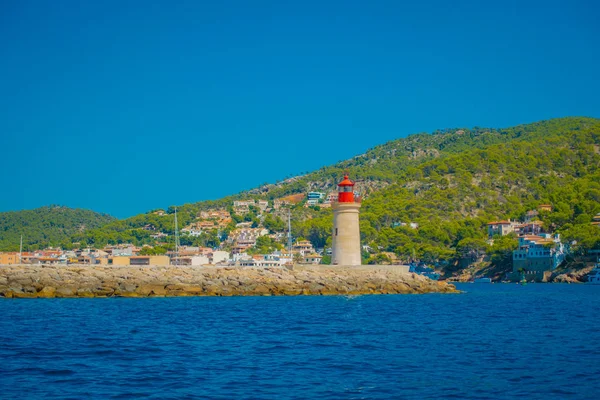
124	106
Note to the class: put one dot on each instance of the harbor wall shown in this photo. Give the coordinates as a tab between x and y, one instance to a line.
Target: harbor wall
40	281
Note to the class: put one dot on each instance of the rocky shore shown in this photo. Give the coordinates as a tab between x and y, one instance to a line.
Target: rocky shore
28	281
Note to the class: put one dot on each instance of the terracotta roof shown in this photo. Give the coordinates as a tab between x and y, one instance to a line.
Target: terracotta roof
499	223
544	240
531	237
534	223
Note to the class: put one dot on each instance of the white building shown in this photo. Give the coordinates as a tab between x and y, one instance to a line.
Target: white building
219	257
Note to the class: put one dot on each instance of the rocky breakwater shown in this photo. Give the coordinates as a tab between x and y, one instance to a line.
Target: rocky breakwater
149	281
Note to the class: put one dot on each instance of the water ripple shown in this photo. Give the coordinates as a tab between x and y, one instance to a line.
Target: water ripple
494	342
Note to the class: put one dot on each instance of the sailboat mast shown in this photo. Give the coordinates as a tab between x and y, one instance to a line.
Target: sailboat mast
176	240
290	232
21	251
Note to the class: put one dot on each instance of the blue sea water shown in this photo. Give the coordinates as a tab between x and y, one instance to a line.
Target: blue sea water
497	341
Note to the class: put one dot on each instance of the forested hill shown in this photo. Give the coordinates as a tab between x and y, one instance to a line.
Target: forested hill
46	226
451	182
453	196
386	163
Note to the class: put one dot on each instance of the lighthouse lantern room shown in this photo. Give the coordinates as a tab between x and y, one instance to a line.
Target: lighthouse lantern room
345	243
346	190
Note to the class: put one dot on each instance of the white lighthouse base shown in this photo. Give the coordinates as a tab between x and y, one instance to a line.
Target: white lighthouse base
345	243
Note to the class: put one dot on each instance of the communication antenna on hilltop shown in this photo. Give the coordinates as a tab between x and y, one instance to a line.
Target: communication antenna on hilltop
290	231
176	240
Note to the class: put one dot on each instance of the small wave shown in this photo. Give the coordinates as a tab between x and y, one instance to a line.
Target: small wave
59	372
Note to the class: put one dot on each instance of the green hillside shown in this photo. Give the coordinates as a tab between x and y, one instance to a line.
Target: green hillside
450	182
469	180
452	197
46	226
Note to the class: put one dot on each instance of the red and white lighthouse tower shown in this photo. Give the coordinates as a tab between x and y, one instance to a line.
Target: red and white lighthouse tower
346	232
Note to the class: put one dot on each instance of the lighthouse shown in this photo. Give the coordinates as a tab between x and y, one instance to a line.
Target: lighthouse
345	243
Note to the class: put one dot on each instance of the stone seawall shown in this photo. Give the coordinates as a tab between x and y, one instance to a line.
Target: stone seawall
28	281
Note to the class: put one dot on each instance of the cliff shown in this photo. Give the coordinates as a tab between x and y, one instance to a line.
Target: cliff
150	281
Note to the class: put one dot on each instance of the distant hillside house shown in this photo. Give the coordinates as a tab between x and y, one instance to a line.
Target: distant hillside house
537	255
260	261
9	258
123	251
545	207
531	215
195	260
206	225
219	257
245	238
139	260
48	260
303	247
262	204
313	198
191	231
501	228
312	259
531	228
241	207
217	214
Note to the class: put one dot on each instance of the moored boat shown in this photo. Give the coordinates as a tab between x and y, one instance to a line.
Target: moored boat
425	270
594	275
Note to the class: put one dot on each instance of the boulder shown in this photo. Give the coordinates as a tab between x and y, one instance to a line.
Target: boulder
192	289
127	294
24	295
127	287
66	291
21	280
151	290
315	288
261	290
47	292
104	291
85	292
29	289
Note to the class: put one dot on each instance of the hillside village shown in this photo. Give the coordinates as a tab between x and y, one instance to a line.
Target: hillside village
237	243
247	233
255	233
501	202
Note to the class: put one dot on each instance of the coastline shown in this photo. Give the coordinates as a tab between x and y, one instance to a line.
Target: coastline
45	281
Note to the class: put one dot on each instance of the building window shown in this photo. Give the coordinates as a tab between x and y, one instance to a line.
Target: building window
336	231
